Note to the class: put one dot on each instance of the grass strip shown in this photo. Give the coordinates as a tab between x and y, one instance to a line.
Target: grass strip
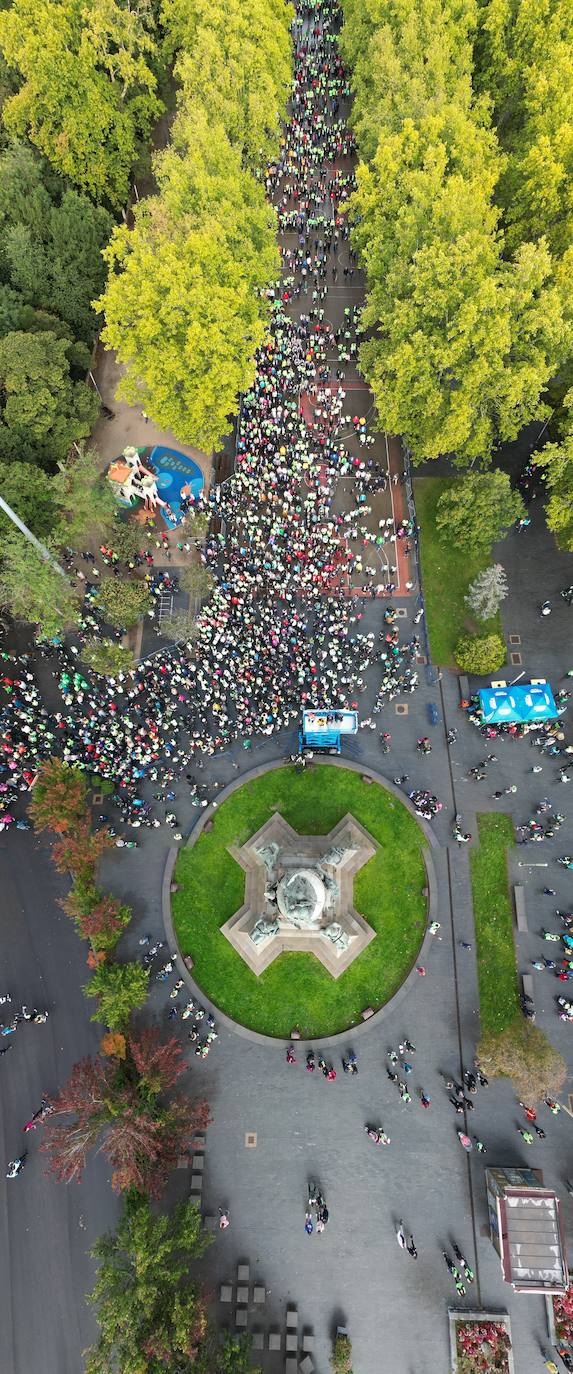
493	917
447	570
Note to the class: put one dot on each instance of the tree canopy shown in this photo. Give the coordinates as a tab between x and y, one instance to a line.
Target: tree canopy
151	1315
184	305
38	399
51	241
463	334
34	591
477	510
88	86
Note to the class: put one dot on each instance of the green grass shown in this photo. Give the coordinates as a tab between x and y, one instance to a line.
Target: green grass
497	974
296	990
447	571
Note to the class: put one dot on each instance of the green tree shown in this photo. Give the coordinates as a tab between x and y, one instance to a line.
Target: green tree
120	989
88	91
86	501
151	1315
51	241
196	580
34	591
107	657
185	305
234	63
124	603
461	344
480	654
556	462
524	63
30	493
37	397
477	510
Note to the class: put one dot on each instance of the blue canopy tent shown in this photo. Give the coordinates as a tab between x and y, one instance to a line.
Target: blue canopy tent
531	702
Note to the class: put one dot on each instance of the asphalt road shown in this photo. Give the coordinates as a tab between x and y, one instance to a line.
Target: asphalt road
47	1228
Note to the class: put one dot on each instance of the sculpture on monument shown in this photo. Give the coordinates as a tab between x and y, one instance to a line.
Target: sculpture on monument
337	935
263	928
268	854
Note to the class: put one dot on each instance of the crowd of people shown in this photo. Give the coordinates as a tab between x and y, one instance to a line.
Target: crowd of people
280	631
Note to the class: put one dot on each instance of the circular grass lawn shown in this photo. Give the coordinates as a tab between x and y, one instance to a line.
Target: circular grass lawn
296	991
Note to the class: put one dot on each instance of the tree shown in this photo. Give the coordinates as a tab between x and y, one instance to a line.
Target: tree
85	499
234	63
110	1102
51	242
524	1054
103	924
476	510
59	797
34	591
38	398
185	304
87	89
114	1044
556	460
148	1309
120	989
480	654
461	343
29	492
124	603
80	849
197	581
524	64
107	657
487	591
234	1354
181	625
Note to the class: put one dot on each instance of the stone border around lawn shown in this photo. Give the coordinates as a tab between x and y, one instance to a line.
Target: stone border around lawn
257	1037
456	1316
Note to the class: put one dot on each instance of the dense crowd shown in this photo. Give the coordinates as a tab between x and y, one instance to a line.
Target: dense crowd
280	631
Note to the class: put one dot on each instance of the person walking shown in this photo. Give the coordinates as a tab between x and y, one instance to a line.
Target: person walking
401	1235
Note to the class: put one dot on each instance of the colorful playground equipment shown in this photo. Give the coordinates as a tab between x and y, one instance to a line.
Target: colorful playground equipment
159	477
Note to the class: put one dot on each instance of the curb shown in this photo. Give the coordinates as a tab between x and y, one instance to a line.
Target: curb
256	1037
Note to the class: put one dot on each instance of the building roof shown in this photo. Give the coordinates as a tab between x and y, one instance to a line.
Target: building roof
533	1254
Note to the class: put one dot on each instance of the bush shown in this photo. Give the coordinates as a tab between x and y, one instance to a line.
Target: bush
524	1054
480	654
341	1357
482	1348
107	657
477	510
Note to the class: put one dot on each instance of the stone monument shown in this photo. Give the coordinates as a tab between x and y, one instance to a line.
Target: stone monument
298	895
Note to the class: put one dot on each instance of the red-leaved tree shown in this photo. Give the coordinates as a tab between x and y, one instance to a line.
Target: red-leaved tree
117	1103
59	797
78	851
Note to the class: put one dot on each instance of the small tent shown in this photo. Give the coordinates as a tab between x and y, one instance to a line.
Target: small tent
529	702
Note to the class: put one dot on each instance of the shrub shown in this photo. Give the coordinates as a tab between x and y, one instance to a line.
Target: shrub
524	1054
341	1356
563	1313
482	1348
480	654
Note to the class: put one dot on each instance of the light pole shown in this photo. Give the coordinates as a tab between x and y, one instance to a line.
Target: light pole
40	548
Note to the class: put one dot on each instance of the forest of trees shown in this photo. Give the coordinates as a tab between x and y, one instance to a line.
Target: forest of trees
458	110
